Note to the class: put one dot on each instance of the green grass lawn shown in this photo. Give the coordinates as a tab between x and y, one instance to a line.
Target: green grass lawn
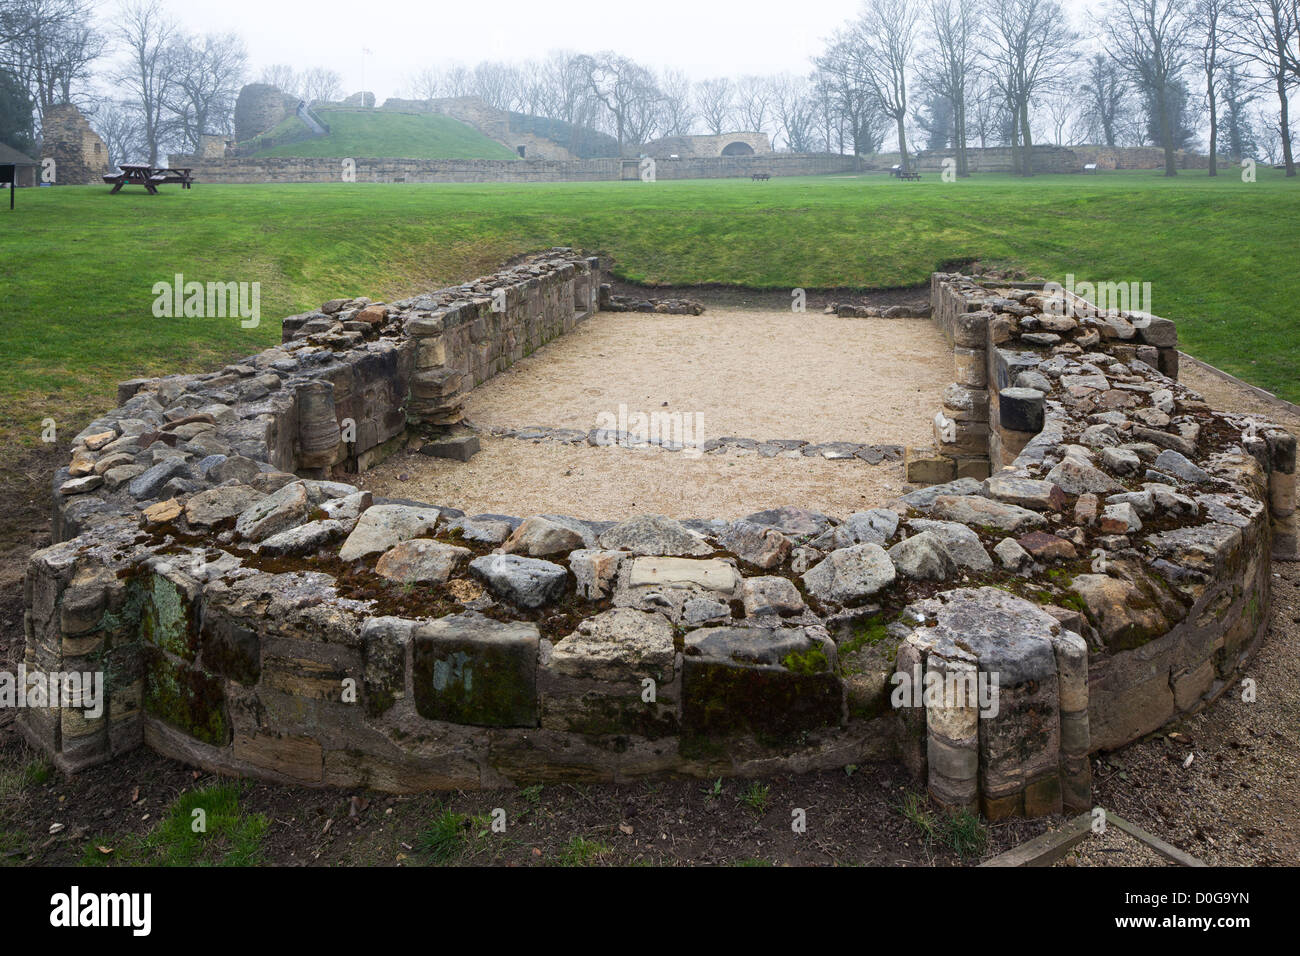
401	135
77	265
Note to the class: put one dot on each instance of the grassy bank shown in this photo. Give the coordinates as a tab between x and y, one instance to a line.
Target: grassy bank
78	265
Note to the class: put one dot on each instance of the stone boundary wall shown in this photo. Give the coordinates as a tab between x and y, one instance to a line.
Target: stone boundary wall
315	170
991	159
1114	575
1143	157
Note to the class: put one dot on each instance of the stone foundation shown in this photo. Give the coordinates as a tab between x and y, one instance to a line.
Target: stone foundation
1100	568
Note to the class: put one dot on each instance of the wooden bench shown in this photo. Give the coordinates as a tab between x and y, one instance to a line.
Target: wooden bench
903	175
175	175
142	174
760	177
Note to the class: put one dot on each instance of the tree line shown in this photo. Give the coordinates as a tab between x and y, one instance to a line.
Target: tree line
902	75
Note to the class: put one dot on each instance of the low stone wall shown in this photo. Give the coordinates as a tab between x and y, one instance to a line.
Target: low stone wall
1112	576
1143	157
315	170
991	159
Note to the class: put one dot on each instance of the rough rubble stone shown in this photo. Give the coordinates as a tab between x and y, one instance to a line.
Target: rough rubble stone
1181	467
962	543
147	484
383	526
756	544
771	595
595	571
984	512
541	536
216	505
654	535
851	574
526	582
1011	555
303	539
421	561
923	557
1078	477
285	509
795	522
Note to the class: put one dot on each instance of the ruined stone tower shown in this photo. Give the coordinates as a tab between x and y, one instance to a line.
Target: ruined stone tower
80	156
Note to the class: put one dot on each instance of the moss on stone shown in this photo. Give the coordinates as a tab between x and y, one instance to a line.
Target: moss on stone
186	698
167	619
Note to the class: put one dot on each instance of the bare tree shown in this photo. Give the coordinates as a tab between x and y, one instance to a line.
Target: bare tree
283	77
50	48
425	84
1149	39
1237	124
1105	96
880	45
753	103
714	102
121	127
1029	45
458	81
625	89
148	75
565	91
854	115
1263	32
952	43
795	108
675	103
986	110
1205	35
321	85
497	84
1063	110
207	73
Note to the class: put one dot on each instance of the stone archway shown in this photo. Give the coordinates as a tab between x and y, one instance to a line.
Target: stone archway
738	149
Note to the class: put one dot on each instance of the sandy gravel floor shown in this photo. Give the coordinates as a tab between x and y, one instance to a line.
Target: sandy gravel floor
753	374
516	477
748	373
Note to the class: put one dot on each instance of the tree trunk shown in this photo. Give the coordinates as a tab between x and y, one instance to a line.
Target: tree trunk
1027	137
902	145
963	160
1016	165
1214	121
1166	129
1287	158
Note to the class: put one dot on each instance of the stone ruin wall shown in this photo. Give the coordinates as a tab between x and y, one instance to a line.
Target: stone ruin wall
703	147
260	108
80	156
232	601
369	170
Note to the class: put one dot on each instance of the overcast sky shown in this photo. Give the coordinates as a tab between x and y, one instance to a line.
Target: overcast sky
703	37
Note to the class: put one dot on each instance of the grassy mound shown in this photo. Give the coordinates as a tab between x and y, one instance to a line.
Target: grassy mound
374	133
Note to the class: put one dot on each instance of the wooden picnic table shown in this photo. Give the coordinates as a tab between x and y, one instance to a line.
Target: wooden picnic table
150	177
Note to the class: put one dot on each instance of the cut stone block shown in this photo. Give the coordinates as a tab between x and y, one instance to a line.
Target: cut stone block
469	669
